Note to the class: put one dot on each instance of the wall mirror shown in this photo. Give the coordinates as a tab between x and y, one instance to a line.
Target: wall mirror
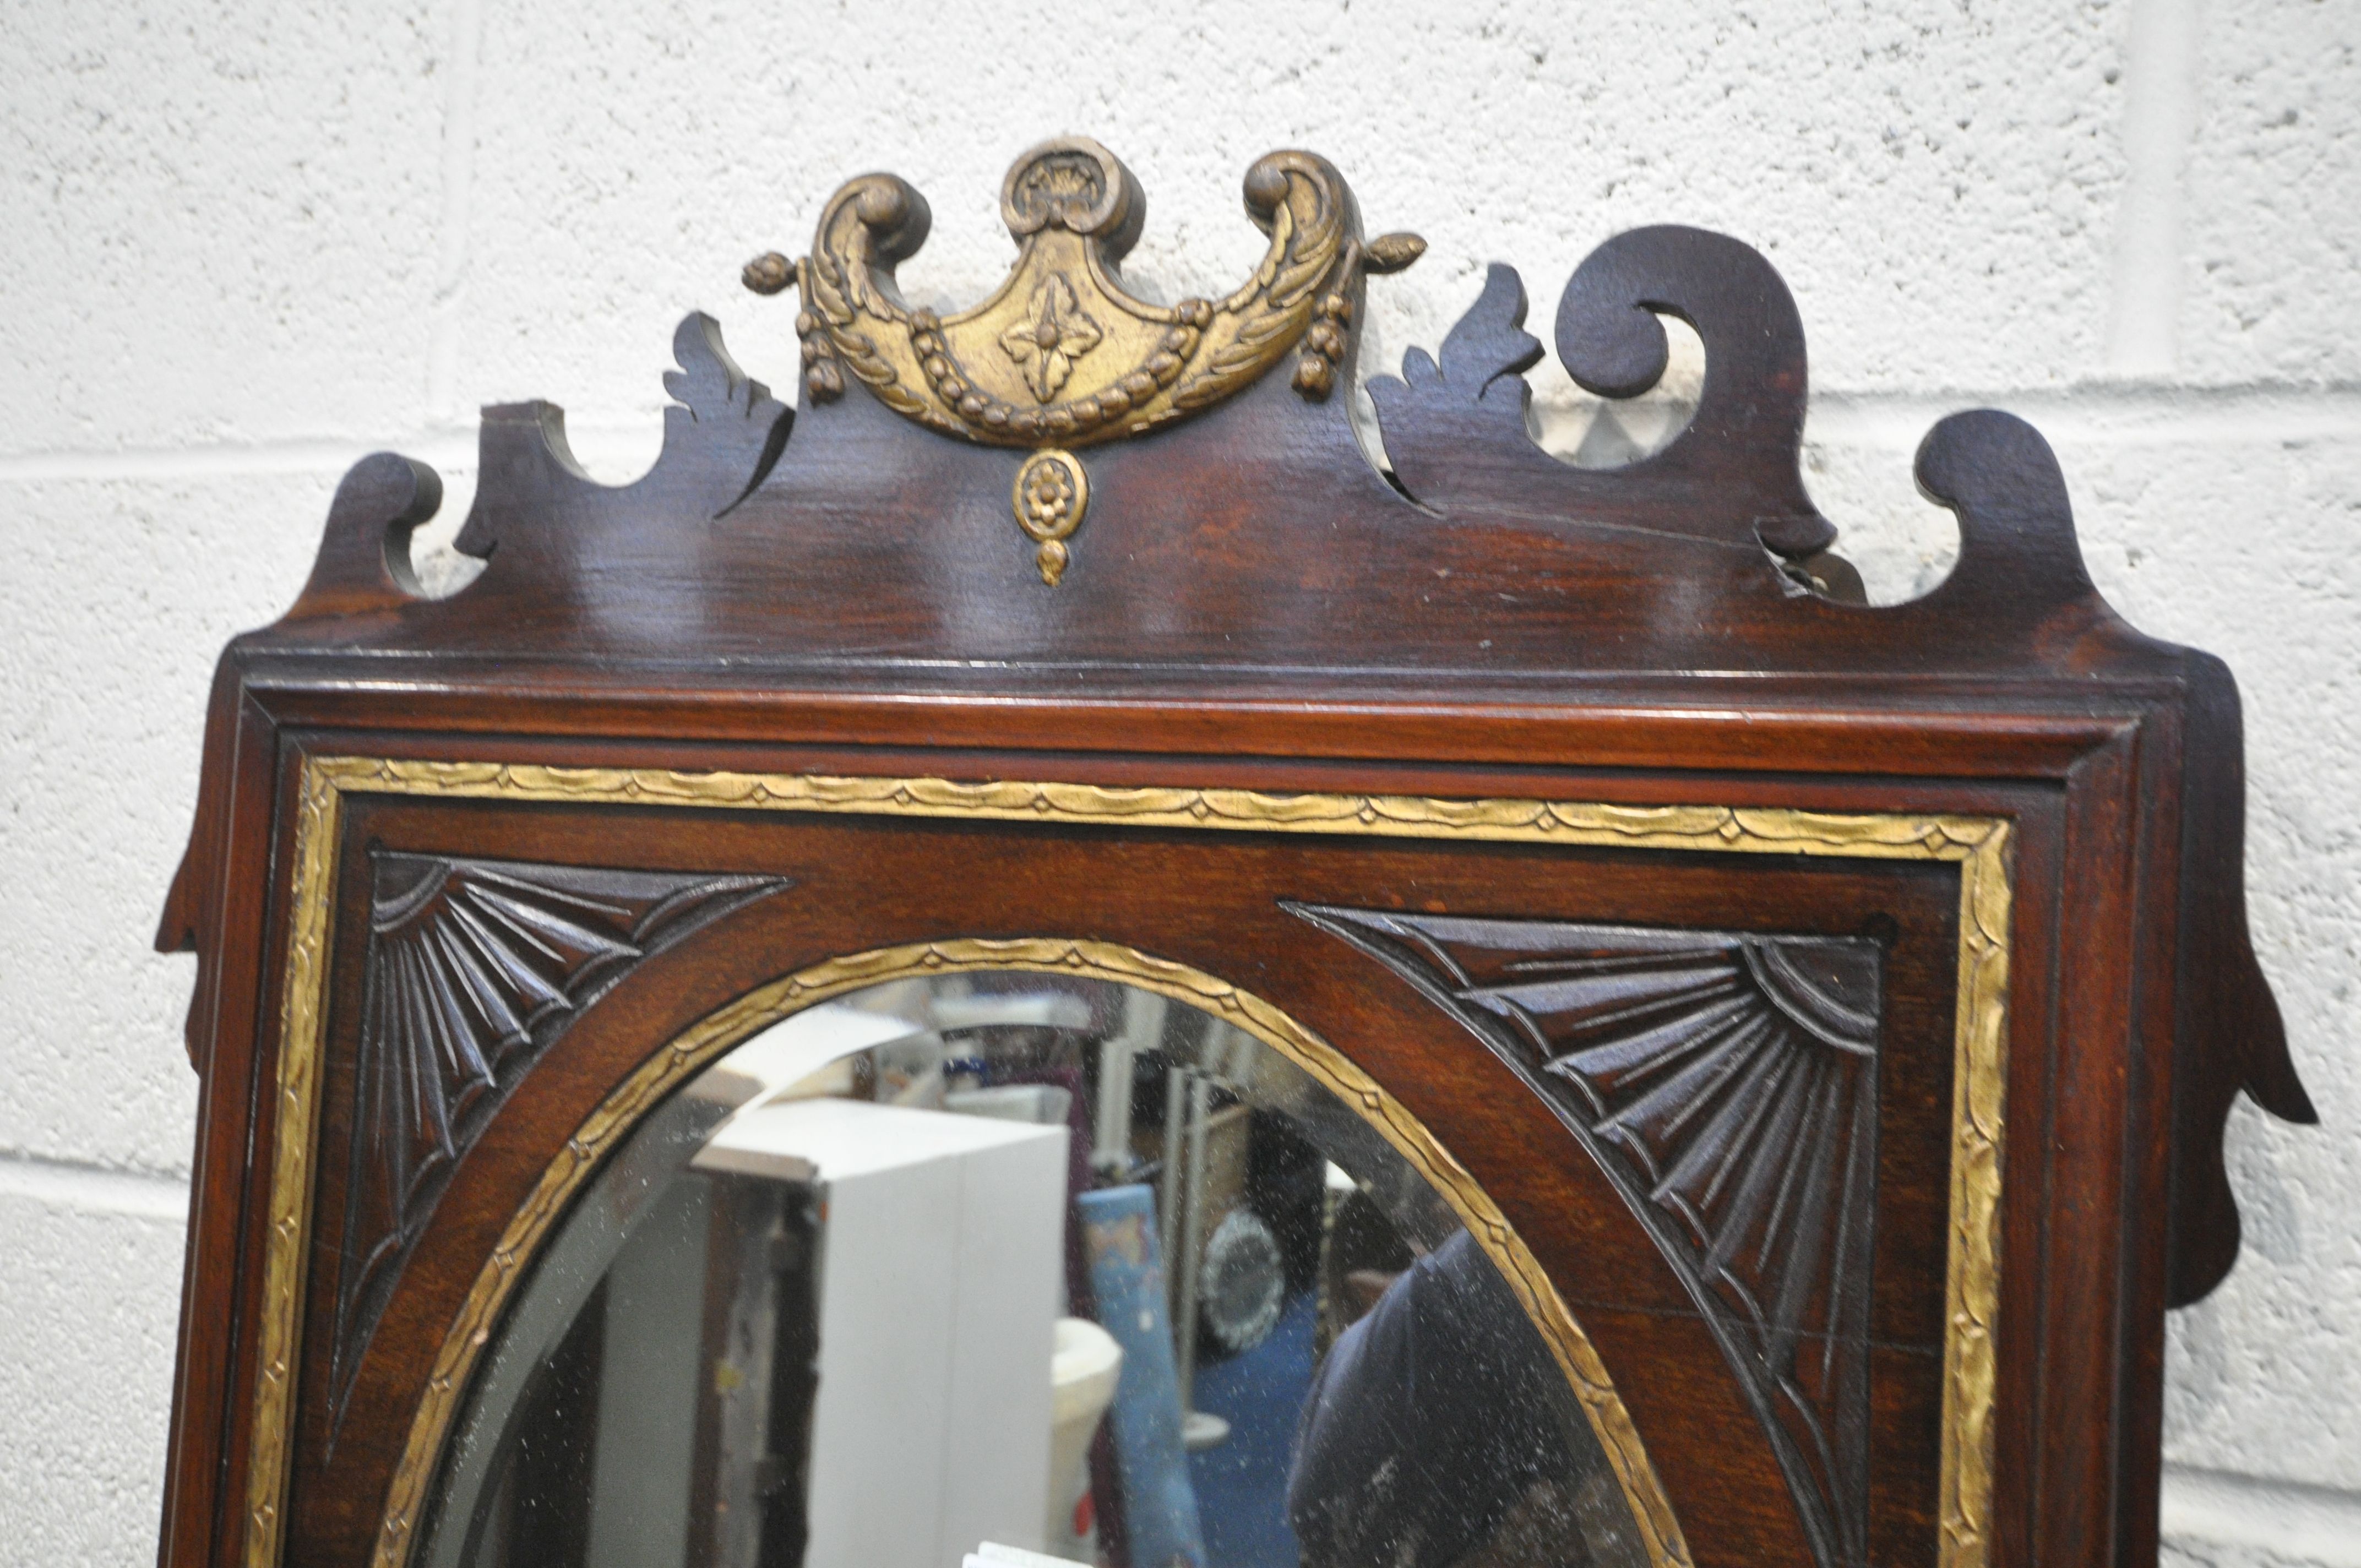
1038	958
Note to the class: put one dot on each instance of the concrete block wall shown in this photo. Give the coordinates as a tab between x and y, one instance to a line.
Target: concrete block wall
243	243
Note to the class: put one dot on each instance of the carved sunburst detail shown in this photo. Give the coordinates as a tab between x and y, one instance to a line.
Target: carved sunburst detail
1726	1084
474	968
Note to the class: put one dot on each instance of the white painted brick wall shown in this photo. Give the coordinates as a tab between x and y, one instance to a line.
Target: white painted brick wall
242	244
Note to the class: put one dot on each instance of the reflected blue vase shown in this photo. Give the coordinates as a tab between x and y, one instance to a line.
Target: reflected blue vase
1160	1504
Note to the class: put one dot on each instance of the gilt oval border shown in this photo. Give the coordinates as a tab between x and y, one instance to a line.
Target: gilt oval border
713	1036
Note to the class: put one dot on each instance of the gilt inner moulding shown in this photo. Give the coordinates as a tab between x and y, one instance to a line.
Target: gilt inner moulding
1825	1015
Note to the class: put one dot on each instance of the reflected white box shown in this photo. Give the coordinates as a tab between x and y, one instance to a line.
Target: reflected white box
941	1280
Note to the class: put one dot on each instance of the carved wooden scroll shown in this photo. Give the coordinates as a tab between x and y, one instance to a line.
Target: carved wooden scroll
1727	1084
474	968
1733	466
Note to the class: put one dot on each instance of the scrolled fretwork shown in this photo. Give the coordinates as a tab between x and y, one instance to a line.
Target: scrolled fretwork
1731	477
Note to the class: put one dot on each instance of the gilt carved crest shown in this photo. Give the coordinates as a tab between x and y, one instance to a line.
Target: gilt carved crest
1726	1084
1063	354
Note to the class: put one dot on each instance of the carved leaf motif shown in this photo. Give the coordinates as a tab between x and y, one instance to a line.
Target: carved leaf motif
1484	357
474	968
1727	1085
739	427
1053	334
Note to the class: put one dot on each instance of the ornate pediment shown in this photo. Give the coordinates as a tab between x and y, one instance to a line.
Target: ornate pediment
1063	355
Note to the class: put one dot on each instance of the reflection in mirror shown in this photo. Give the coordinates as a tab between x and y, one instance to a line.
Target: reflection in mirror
979	1265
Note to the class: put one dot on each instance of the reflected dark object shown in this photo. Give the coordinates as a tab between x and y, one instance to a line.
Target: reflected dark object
1430	1425
1244	1281
538	1510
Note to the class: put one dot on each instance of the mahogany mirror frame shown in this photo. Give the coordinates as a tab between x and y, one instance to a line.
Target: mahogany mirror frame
1077	633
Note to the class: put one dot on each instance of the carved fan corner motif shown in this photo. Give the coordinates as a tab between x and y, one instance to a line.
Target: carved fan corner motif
473	968
1726	1084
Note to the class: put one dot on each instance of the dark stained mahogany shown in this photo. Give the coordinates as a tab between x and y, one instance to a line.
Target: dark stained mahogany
1249	603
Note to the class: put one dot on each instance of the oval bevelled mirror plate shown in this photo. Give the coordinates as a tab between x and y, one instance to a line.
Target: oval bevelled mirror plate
982	1264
